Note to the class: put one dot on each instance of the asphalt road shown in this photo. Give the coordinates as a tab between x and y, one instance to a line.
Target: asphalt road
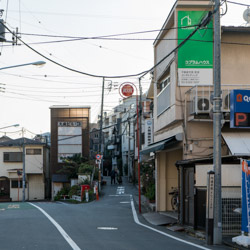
107	224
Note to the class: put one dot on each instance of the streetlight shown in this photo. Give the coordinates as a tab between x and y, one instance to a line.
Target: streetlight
37	63
14	125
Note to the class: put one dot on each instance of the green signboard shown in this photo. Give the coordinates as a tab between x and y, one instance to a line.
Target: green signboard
195	57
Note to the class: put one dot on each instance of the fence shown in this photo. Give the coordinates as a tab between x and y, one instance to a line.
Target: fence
231	211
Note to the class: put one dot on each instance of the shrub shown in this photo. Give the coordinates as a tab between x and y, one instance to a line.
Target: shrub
85	168
150	192
74	190
63	191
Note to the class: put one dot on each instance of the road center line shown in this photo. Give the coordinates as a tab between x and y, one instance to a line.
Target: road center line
158	231
59	228
107	228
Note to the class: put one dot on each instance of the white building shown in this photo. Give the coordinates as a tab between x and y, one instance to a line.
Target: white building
35	162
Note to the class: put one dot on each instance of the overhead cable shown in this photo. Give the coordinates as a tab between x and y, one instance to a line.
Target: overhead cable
141	74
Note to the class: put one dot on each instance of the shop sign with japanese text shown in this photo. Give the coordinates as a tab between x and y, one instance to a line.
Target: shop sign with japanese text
195	57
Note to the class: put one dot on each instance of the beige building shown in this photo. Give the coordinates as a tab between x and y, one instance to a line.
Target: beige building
11	160
183	124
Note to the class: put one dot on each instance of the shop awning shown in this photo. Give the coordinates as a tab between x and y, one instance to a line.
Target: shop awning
161	145
237	142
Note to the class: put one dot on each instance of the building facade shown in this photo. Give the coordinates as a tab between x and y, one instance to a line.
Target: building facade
182	90
13	159
69	136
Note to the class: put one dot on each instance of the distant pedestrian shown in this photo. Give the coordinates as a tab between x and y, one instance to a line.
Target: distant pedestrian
113	175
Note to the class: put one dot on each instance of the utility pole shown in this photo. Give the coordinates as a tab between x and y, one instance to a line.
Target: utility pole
23	156
129	159
100	132
217	125
140	111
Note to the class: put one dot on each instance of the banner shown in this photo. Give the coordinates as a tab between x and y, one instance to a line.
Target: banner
245	196
195	57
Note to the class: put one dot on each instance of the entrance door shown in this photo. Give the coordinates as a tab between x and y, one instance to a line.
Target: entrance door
189	196
4	189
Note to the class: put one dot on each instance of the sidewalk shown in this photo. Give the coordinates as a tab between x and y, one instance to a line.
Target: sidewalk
168	220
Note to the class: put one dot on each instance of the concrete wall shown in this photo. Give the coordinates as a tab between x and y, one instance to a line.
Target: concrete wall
56	187
162	49
235	58
199	139
167	177
34	163
36	189
230	175
14	193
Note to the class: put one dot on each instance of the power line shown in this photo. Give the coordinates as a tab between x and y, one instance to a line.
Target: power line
66	67
242	4
141	74
45	76
50	96
50	101
106	36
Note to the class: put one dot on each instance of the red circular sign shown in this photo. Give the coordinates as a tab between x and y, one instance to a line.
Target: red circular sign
127	90
98	156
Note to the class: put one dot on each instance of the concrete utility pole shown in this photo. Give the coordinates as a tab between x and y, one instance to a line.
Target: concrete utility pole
217	125
129	158
100	132
23	156
140	111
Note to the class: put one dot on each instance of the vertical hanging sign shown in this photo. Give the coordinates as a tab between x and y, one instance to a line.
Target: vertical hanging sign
245	196
195	56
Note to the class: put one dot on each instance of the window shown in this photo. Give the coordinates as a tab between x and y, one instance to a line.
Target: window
163	98
12	157
14	184
33	151
143	138
164	83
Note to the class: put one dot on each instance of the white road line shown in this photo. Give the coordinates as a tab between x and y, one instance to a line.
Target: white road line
59	228
158	231
116	195
64	203
107	228
120	190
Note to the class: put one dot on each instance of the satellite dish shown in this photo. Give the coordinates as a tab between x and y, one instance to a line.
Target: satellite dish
246	15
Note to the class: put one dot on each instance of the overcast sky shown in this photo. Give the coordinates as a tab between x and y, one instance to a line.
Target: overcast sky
47	26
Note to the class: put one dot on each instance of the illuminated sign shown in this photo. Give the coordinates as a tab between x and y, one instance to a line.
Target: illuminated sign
240	108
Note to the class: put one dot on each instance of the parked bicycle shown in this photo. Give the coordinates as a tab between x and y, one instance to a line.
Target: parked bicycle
175	199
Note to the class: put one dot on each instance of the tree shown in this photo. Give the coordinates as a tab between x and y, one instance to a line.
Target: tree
71	165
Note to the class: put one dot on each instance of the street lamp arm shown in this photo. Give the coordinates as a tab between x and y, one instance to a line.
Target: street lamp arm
15	125
38	63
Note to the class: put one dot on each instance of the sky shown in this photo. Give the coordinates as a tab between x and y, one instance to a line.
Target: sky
48	27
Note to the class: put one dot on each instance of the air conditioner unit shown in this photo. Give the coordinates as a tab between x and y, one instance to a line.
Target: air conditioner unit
201	105
225	102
